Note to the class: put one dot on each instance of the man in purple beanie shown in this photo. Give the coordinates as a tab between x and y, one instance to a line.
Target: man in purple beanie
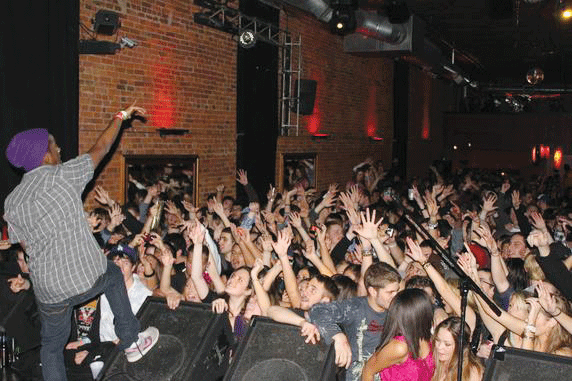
45	215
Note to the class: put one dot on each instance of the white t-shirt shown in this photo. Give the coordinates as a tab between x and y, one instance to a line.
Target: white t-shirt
137	294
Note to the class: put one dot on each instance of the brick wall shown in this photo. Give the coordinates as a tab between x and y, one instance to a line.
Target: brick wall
351	92
429	98
184	74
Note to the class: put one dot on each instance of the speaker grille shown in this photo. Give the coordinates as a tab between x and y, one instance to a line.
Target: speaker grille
276	352
193	345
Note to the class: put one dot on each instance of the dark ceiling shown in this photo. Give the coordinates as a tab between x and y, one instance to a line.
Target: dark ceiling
497	42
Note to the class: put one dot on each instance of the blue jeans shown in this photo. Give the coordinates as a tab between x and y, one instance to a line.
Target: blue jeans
56	321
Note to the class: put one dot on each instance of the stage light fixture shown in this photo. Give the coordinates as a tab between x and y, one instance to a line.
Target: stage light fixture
343	20
565	9
247	39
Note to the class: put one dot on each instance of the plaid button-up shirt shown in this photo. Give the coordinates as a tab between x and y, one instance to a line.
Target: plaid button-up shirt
45	212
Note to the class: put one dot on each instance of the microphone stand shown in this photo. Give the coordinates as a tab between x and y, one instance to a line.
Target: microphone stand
466	284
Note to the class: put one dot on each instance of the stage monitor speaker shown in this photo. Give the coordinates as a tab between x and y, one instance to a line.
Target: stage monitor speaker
194	344
274	351
512	364
307	95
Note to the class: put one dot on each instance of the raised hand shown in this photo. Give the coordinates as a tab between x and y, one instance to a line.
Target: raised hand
134	110
333	188
271	195
538	221
415	251
295	220
347	201
102	196
217	207
368	228
282	244
242	177
197	233
546	300
190	208
117	216
489	201
256	268
328	200
486	237
515	199
431	203
353	217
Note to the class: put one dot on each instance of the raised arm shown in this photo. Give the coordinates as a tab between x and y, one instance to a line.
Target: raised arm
261	294
499	271
108	136
452	298
281	249
368	230
197	234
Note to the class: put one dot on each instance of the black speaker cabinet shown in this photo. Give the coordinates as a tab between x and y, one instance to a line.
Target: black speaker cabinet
512	364
194	344
307	95
273	351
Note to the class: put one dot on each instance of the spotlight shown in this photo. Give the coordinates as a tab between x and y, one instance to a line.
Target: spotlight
565	9
247	39
343	19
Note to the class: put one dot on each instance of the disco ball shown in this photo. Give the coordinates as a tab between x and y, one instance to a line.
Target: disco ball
535	76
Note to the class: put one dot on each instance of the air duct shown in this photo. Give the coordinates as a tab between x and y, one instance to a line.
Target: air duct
318	8
372	25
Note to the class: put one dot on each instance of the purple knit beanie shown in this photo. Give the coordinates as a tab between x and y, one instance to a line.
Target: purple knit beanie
27	149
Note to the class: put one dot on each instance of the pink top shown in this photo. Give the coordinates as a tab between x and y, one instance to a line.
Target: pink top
411	369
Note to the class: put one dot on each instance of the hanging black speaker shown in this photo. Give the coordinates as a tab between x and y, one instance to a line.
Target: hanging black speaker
307	95
194	344
274	351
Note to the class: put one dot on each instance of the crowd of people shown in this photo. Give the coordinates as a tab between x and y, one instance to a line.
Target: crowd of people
344	265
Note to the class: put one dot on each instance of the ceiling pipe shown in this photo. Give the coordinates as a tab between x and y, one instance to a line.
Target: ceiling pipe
318	8
372	25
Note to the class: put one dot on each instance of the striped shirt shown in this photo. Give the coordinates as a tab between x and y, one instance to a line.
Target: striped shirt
45	212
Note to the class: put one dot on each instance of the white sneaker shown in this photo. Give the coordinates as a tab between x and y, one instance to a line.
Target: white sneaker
147	339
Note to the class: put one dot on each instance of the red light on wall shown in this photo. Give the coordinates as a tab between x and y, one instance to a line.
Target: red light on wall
164	87
558	158
544	151
534	155
426	109
315	120
371	118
